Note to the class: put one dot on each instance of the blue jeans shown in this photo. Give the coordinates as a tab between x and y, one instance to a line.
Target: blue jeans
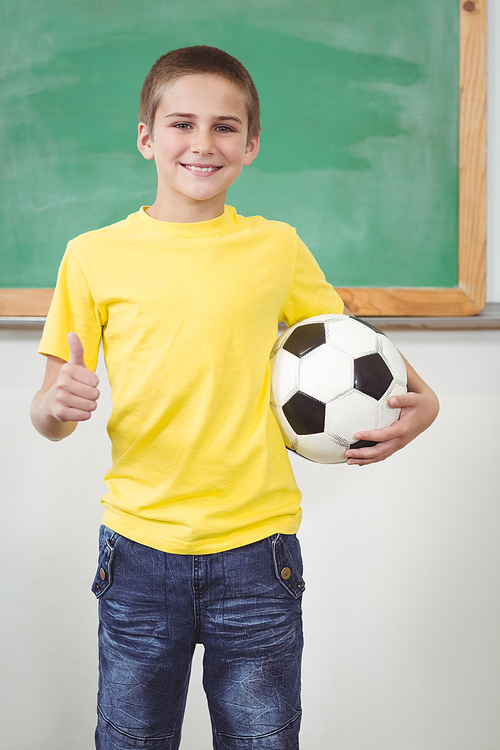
243	605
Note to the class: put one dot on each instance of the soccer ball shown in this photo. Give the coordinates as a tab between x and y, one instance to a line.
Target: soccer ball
331	376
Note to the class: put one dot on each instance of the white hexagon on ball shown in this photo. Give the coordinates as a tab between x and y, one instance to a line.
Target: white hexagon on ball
387	414
284	376
316	373
322	448
350	413
393	359
350	336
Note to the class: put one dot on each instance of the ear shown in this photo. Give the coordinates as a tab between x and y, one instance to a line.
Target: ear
251	150
145	142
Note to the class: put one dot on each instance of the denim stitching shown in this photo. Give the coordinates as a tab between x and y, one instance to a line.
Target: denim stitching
260	736
132	736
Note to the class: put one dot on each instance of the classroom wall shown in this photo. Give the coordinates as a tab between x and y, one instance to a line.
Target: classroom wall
402	608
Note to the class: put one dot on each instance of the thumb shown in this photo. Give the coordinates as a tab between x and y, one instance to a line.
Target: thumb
76	350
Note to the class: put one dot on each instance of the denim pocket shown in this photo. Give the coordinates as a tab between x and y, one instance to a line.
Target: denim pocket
104	574
288	563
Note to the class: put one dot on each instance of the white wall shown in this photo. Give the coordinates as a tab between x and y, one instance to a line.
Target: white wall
402	560
402	611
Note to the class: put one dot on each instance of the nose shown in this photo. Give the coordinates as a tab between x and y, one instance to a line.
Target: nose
203	142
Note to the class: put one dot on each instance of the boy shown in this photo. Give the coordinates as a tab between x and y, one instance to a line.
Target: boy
198	538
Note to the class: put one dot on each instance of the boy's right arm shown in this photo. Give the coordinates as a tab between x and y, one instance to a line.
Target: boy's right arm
68	394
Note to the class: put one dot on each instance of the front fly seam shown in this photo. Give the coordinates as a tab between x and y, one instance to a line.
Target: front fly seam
196	596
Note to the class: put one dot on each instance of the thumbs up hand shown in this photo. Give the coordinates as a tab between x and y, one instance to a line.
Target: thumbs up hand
76	350
75	394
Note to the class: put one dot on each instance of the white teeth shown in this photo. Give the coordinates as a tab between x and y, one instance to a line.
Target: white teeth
200	169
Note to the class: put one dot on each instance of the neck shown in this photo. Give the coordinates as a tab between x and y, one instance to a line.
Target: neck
189	212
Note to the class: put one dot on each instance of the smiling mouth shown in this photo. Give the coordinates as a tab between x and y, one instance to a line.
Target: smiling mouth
200	170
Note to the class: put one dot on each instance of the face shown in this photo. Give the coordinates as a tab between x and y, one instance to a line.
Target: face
199	144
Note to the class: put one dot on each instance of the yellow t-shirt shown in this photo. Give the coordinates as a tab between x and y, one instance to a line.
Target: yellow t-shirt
188	315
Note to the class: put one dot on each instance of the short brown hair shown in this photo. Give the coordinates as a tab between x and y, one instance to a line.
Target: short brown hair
194	61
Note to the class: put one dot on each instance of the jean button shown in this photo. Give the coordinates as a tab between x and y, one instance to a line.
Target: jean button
102	573
286	573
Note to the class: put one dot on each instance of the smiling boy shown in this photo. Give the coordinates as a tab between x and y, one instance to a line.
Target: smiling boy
198	541
200	145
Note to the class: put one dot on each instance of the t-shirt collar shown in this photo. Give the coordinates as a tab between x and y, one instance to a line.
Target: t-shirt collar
195	229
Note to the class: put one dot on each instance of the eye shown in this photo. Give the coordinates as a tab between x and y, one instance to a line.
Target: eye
224	129
182	125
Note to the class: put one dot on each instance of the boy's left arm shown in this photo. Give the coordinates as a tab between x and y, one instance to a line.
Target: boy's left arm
419	408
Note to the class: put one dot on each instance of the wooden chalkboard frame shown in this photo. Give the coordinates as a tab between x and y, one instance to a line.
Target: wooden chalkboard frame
469	297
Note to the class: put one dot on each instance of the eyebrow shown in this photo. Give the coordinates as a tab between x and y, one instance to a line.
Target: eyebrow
190	116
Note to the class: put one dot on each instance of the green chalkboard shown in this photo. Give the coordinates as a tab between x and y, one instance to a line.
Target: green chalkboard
359	151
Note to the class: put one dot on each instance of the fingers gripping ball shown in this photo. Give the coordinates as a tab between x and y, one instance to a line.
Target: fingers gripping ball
332	376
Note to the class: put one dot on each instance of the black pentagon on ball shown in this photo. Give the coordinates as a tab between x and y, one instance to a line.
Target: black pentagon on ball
305	415
371	375
305	338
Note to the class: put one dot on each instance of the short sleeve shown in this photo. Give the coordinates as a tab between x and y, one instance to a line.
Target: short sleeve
311	294
72	309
